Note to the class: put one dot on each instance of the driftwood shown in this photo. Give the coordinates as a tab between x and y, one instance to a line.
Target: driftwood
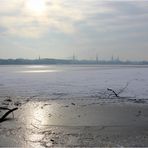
117	94
113	92
7	113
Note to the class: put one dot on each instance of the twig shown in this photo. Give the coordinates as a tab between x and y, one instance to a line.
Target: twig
34	126
5	108
122	90
6	114
113	92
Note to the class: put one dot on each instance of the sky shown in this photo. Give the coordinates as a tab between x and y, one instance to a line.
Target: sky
85	28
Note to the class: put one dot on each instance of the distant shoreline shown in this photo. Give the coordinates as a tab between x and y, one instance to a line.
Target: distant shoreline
47	61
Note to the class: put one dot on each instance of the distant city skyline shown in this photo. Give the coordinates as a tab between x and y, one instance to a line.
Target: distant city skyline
49	61
84	28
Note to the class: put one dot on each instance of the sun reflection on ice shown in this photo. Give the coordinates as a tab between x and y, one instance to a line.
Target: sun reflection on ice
39	115
36	120
36	115
38	71
37	66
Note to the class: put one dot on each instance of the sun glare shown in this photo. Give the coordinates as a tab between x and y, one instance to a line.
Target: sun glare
36	6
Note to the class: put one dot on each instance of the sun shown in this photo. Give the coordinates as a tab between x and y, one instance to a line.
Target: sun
36	6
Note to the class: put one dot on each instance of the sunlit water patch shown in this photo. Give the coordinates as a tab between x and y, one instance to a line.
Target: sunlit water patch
37	66
38	71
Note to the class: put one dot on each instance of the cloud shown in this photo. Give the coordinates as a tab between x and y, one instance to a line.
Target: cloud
59	16
81	24
10	7
69	17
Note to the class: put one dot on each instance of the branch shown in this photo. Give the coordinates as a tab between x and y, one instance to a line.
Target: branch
6	114
122	90
113	92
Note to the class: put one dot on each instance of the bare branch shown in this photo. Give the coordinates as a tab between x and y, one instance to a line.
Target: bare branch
122	90
6	114
113	92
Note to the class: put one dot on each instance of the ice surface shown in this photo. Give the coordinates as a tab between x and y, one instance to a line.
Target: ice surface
73	81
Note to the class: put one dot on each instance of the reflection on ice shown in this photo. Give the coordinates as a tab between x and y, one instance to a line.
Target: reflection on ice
38	71
37	66
34	119
35	115
39	115
42	120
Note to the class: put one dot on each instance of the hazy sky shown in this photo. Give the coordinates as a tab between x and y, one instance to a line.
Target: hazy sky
59	28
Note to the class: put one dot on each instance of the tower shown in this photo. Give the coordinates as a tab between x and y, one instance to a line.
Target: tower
73	57
112	58
97	59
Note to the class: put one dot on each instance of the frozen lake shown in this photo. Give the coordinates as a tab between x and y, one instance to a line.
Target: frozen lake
73	81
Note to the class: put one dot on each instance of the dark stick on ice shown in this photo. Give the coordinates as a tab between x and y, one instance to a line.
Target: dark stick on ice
5	108
113	92
119	92
6	114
